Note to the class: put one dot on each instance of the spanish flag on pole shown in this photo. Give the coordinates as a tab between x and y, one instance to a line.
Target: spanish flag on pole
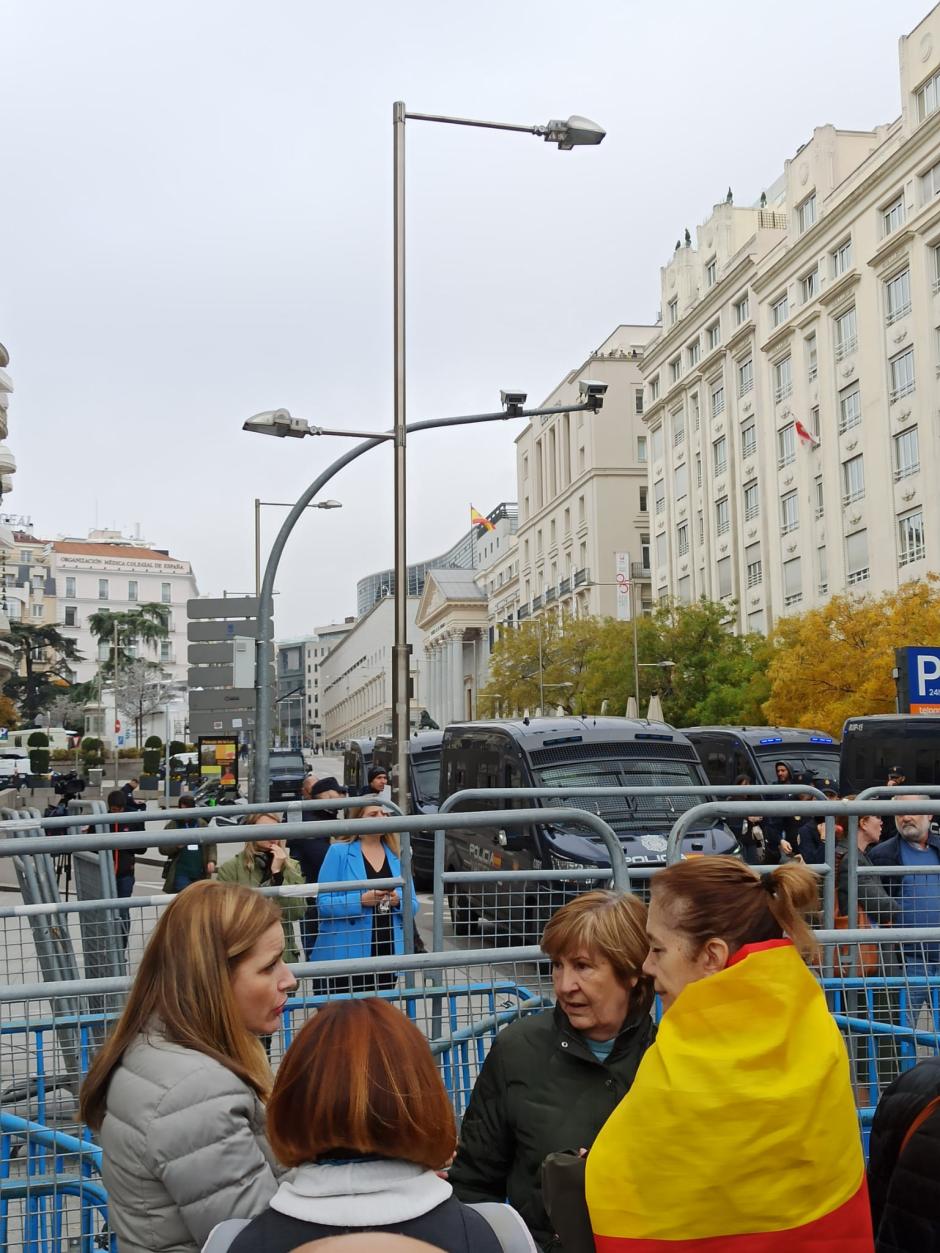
739	1134
480	519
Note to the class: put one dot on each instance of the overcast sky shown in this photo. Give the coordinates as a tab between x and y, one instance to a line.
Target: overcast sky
195	207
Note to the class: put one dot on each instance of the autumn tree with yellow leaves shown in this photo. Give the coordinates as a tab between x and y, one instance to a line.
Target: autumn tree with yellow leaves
836	662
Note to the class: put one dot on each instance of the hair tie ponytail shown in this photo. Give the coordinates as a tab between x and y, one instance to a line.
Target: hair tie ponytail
768	883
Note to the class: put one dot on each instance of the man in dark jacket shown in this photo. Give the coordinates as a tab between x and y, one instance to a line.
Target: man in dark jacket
904	1163
131	805
778	829
378	782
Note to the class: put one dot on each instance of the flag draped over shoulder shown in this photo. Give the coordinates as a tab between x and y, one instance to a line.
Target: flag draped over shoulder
740	1133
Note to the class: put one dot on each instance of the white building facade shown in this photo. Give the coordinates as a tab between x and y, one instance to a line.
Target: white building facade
297	721
111	572
792	395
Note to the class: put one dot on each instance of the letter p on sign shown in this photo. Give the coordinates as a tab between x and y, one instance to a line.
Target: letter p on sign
928	671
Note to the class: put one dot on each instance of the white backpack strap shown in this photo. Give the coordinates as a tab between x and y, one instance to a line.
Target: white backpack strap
511	1232
222	1235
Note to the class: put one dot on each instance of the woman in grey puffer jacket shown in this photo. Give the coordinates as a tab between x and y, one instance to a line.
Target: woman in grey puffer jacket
176	1092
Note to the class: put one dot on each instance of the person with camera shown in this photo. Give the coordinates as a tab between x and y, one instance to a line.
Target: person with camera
361	923
265	863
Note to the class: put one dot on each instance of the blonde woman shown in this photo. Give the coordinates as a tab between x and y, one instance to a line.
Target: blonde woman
361	923
266	863
176	1093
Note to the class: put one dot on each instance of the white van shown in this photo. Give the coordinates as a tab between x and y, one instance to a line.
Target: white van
58	737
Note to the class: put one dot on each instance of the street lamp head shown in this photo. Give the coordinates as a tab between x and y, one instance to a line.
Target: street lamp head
328	504
513	402
277	422
577	132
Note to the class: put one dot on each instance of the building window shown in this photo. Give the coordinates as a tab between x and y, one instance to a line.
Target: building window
935	268
720	454
753	565
853	479
892	215
748	440
725	585
822	565
846	328
694	351
930	183
102	589
902	374
682	540
132	589
165	593
638	400
718	400
742	311
70	586
745	377
898	296
751	501
812	357
673	308
701	528
786	446
783	379
644	490
641	449
711	272
850	408
661	556
166	647
928	97
656	442
780	310
682	481
684	589
911	545
713	335
654	389
645	551
806	212
675	369
841	258
37	611
698	469
792	581
906	453
814	421
789	513
71	615
819	505
755	622
809	285
678	428
722	516
856	557
659	496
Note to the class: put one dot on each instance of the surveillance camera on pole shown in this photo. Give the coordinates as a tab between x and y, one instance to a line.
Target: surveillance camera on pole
513	402
592	393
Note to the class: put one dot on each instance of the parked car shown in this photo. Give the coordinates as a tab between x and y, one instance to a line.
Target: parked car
564	752
424	782
287	770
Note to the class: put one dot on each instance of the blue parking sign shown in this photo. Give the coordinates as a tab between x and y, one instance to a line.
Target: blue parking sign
923	680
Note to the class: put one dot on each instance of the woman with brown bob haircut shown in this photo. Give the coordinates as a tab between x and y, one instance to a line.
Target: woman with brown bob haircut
360	1112
176	1092
552	1079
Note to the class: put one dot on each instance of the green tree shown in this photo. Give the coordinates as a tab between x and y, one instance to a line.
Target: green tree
147	625
44	655
835	662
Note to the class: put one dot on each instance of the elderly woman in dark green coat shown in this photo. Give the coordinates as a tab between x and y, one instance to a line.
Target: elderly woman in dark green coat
266	863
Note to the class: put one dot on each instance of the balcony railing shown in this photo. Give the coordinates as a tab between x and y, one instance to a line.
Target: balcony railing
580	577
845	346
536	603
523	612
551	593
564	587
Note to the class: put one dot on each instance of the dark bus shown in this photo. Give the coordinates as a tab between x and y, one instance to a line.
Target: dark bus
873	745
356	762
424	781
728	752
563	752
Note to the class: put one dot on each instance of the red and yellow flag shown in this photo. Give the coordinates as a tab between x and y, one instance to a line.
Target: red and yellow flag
740	1133
479	519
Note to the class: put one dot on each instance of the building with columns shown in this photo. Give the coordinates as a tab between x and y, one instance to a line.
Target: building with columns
452	614
791	394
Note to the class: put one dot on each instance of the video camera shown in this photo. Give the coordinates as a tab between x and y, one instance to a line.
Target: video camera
69	785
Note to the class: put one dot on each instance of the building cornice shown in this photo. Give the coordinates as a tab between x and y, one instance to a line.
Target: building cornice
779	337
704	310
841	288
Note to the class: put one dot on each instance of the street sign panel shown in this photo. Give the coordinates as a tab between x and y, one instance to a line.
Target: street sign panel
919	674
210	723
209	654
215	631
225	699
210	676
223	607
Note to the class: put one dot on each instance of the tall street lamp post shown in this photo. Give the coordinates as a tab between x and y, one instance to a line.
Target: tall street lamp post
575	132
279	504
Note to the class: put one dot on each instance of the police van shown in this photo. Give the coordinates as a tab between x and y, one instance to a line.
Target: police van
727	753
563	752
877	743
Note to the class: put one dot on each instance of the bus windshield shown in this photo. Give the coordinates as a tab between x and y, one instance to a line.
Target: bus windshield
427	778
626	813
801	758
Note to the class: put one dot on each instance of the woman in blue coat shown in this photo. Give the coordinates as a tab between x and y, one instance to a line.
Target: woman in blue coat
361	923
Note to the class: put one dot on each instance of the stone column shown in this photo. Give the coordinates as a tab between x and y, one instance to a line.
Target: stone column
457	687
